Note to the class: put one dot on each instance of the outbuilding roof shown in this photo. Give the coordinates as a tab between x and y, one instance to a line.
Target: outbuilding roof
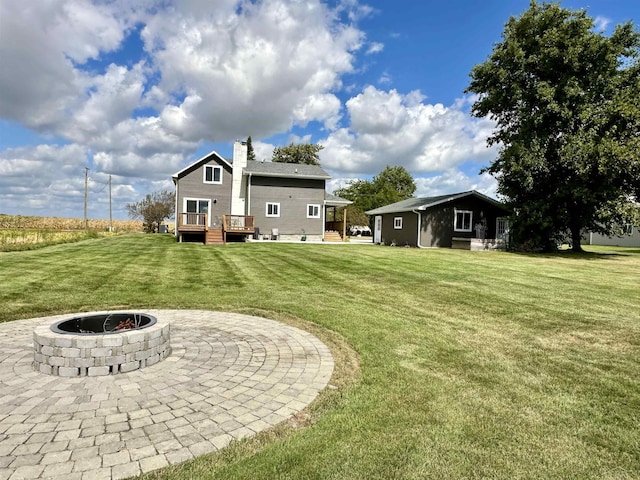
424	203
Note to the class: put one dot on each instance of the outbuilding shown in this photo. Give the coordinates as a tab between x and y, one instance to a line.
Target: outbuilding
466	220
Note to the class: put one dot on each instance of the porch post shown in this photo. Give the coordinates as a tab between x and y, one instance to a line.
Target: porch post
344	224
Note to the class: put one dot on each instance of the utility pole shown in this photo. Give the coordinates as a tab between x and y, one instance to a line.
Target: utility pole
110	215
86	188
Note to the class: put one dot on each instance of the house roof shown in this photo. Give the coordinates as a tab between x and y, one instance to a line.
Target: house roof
334	200
425	203
263	169
276	169
201	161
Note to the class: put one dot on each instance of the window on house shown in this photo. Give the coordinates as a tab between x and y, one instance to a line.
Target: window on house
397	223
627	229
212	174
194	209
462	220
273	209
313	211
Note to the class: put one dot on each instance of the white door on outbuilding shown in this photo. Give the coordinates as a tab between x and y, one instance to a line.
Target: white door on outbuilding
377	229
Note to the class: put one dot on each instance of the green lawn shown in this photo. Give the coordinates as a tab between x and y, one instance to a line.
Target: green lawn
471	364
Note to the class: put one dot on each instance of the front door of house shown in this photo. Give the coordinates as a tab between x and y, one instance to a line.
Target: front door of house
377	229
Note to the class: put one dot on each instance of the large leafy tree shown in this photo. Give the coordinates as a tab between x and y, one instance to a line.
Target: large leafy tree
153	209
565	100
306	153
391	185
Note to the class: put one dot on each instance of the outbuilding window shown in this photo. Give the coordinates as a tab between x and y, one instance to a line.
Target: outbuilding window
462	220
397	223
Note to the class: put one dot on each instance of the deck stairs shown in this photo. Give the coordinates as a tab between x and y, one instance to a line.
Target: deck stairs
214	236
332	236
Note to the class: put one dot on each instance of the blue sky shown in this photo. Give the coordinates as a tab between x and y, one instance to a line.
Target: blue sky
138	89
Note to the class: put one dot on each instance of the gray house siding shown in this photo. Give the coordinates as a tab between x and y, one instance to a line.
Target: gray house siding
192	186
293	195
406	235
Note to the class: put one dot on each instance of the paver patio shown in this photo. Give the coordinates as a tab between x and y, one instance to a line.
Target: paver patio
229	376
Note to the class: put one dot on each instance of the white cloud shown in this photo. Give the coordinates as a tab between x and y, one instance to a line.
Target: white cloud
601	23
274	65
323	106
32	177
211	72
375	47
454	180
130	164
41	85
388	128
263	151
385	78
112	99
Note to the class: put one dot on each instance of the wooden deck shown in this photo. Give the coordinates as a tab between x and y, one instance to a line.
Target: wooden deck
192	222
215	234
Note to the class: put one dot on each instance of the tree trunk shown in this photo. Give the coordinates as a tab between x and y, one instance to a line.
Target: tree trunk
576	239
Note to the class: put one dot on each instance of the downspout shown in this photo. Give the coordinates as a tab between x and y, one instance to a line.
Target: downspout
249	195
419	226
175	223
324	217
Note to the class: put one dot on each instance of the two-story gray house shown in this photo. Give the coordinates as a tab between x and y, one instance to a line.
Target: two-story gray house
218	198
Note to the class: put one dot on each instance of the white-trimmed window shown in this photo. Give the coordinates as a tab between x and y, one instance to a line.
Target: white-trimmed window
502	227
627	229
212	174
313	211
462	220
397	223
273	209
196	211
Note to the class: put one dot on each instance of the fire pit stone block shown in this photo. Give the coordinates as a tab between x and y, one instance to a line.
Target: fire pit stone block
73	355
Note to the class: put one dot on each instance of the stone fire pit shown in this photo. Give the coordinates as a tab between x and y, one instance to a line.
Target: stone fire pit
100	343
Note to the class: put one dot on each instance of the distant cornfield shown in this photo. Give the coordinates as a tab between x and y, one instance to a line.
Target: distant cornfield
24	233
66	224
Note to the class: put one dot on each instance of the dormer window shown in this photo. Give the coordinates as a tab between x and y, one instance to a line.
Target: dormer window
212	174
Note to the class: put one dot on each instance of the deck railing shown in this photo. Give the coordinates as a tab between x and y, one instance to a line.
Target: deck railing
238	223
192	221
